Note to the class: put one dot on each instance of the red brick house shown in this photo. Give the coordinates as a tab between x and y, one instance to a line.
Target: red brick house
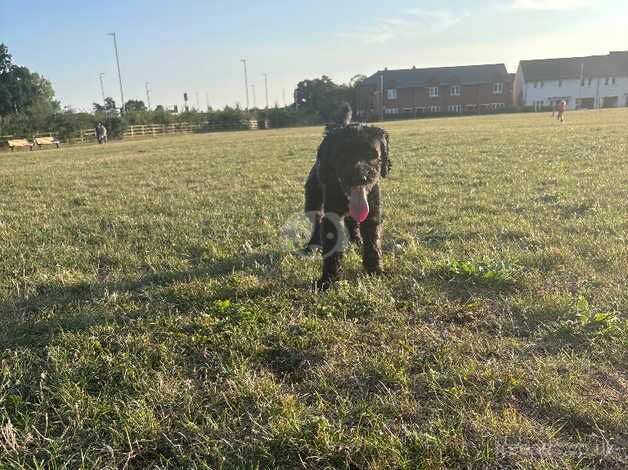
443	90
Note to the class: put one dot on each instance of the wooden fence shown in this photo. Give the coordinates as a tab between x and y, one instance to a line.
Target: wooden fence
155	130
152	130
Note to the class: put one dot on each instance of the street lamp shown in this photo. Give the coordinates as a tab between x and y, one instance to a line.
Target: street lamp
266	85
246	83
115	47
102	87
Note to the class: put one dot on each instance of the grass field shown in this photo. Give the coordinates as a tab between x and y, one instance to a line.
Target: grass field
151	313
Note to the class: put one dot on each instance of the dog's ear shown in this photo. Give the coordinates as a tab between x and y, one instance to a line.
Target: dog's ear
384	142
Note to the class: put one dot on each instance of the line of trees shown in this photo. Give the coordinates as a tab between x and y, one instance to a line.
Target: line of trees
28	107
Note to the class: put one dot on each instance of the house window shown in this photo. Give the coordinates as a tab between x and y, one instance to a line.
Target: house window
407	110
455	108
433	91
433	108
606	81
455	90
582	82
560	83
498	88
496	106
392	111
614	81
392	94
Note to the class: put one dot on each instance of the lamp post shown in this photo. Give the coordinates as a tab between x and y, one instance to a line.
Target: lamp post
102	87
115	47
147	95
246	83
266	86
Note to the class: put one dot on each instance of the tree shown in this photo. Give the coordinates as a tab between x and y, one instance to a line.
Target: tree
135	105
357	80
110	104
5	59
22	90
321	96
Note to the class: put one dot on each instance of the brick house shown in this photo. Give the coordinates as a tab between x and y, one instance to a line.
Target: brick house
443	90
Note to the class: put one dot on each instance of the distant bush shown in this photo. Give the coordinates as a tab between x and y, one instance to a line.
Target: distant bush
230	118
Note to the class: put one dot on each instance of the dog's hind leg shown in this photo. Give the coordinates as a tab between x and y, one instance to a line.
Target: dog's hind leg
314	207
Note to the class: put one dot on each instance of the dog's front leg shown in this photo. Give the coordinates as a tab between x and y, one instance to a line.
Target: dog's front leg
371	230
353	228
314	207
335	207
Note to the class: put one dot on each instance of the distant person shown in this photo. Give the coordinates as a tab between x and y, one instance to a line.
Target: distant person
562	109
103	134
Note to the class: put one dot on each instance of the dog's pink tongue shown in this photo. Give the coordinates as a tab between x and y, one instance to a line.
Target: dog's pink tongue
358	205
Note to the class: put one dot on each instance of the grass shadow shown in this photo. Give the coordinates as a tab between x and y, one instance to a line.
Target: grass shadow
37	319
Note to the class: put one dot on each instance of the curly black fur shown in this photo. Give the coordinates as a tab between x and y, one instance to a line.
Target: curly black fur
350	156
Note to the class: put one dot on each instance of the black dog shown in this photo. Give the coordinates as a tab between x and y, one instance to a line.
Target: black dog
345	179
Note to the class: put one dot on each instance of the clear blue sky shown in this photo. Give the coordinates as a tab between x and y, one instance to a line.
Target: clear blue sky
196	46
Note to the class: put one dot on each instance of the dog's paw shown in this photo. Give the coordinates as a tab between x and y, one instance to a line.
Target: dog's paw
379	272
325	282
311	248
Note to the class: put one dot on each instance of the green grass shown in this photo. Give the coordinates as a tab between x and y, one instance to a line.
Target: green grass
151	314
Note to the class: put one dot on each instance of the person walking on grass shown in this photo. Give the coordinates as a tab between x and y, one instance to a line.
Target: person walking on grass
103	134
562	109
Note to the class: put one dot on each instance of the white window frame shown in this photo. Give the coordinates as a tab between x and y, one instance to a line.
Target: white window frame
454	90
391	94
433	108
455	108
391	111
498	88
432	91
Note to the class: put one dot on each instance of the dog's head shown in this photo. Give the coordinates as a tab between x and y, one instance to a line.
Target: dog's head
356	157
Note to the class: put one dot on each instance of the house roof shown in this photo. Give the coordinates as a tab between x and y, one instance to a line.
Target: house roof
614	64
466	75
